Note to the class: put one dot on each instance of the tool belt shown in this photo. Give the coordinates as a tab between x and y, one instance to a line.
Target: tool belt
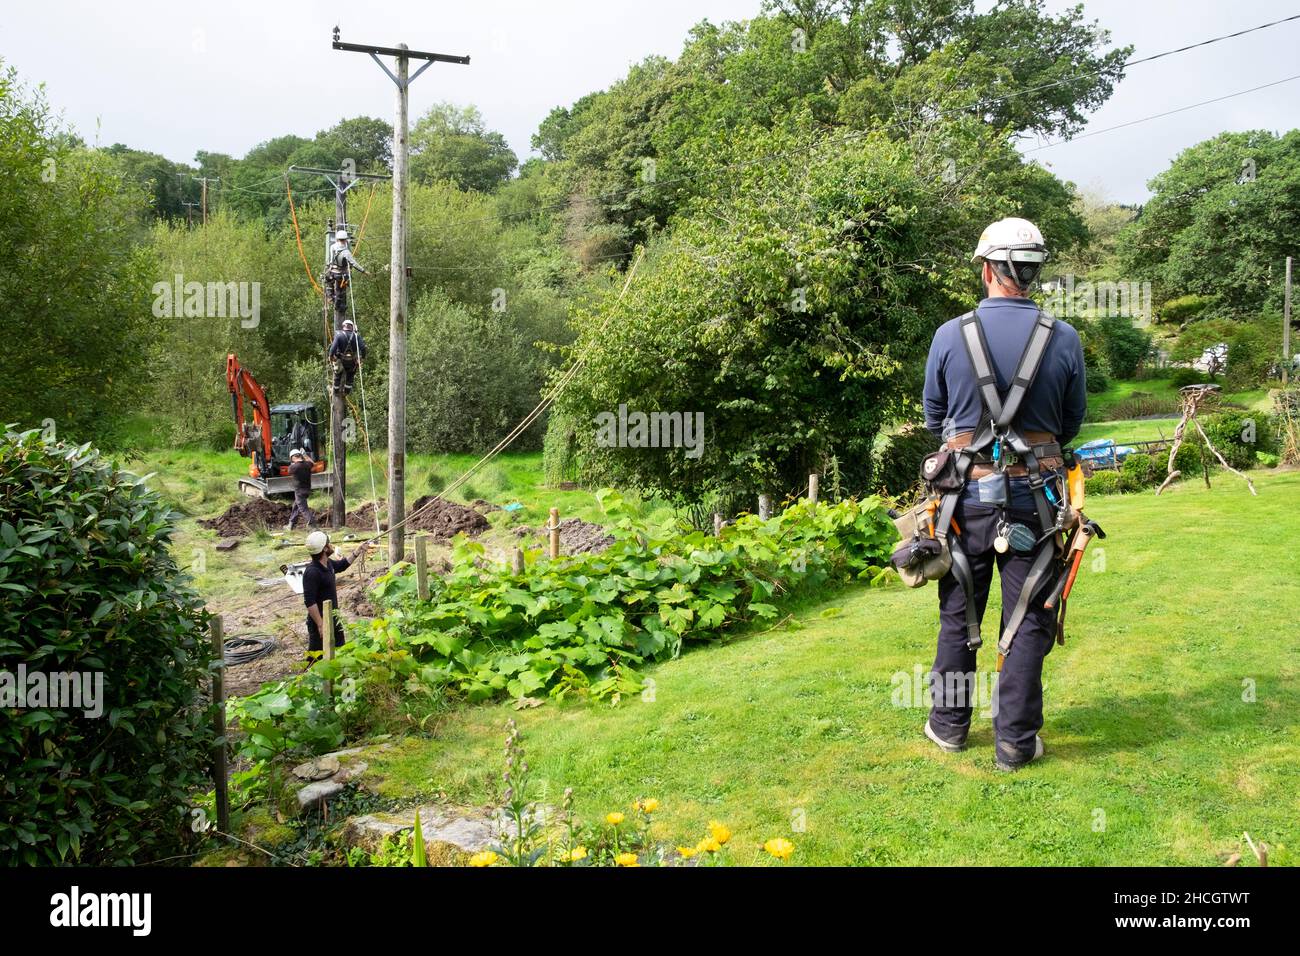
931	548
1043	445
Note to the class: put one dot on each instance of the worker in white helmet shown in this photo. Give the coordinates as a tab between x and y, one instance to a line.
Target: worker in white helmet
319	586
1007	481
338	274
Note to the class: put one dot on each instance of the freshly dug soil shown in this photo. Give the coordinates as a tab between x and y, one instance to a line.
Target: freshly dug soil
446	519
576	536
253	514
364	518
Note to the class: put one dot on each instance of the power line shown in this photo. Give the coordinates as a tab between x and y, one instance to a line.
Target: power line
1155	116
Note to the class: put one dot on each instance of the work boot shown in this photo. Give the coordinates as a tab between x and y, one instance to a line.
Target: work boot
947	746
1008	758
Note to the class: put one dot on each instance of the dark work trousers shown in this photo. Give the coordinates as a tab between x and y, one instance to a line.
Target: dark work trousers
1018	704
344	373
314	636
300	507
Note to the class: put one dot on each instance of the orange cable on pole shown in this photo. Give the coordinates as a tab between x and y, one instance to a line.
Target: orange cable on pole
297	234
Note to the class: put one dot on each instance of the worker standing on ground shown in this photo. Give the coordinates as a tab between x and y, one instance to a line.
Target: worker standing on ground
338	275
319	586
346	353
300	467
1005	518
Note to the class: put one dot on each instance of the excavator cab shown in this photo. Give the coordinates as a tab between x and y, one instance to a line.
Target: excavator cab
274	432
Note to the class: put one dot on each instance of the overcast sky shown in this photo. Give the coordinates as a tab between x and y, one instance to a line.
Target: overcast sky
175	77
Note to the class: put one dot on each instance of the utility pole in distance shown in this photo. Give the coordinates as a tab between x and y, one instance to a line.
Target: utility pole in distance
342	180
402	79
205	180
1286	327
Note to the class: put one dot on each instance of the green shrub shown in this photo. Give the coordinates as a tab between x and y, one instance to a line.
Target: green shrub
1103	483
1140	471
88	586
1239	435
560	448
1190	455
896	465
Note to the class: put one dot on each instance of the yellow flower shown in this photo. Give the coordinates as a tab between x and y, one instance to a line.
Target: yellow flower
486	858
648	806
574	855
687	851
614	819
626	859
780	847
708	845
719	831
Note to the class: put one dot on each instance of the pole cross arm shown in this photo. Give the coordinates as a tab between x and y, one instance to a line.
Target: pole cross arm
338	172
376	52
393	51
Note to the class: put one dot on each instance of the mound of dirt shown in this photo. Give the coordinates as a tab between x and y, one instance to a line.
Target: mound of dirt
250	515
364	517
445	519
576	536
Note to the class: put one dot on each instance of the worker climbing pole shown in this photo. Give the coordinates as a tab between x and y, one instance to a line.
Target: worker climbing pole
347	355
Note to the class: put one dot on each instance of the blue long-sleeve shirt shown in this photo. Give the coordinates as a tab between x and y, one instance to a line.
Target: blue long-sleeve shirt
1055	403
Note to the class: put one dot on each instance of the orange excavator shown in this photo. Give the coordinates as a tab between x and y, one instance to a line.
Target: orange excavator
274	432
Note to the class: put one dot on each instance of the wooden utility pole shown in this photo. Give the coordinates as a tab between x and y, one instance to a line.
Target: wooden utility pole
204	201
402	79
1286	327
342	180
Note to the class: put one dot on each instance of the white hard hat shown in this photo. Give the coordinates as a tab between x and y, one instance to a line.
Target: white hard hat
1011	239
297	451
341	234
316	542
349	324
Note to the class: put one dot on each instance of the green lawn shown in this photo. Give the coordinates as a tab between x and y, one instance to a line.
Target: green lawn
1101	405
1153	756
1127	431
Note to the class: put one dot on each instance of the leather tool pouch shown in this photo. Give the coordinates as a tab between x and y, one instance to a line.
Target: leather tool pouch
919	557
939	471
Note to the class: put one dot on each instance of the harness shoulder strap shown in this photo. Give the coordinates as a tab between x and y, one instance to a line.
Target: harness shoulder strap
1002	413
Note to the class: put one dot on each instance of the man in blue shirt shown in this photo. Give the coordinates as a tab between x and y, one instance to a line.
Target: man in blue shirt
1010	252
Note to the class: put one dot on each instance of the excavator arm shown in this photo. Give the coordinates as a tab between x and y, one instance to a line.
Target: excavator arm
250	440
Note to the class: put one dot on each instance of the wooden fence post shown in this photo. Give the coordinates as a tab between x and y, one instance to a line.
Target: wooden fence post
422	567
221	786
717	525
327	640
764	507
812	489
517	561
555	533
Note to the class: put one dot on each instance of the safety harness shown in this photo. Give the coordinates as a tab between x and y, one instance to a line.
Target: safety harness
999	442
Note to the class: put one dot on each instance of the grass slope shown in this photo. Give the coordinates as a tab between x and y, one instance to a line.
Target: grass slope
1153	756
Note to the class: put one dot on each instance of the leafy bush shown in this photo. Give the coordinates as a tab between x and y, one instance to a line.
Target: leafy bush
1103	483
1127	346
1191	454
897	463
1140	471
579	626
88	586
1238	435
